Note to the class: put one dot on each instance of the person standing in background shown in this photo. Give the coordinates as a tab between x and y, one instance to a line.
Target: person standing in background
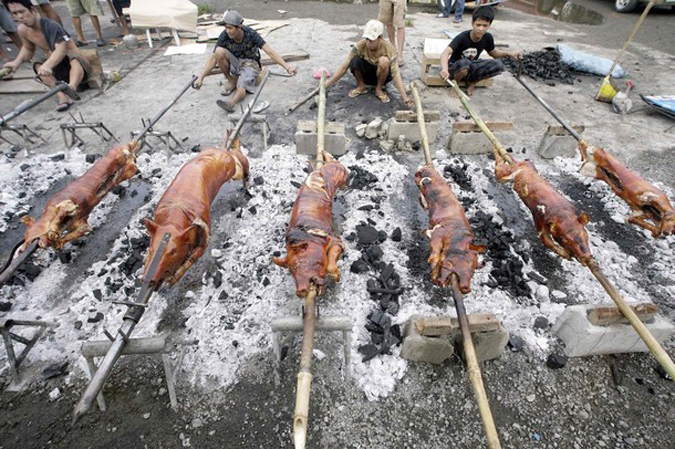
447	8
47	10
79	8
392	14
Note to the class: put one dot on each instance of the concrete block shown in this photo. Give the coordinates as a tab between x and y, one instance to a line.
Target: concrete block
582	338
467	138
373	128
305	138
488	345
411	131
556	141
419	348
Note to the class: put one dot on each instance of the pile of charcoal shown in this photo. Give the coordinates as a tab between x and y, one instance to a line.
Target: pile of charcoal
507	267
458	172
543	65
384	288
360	178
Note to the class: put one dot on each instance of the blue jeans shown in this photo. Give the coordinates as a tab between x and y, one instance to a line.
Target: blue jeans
459	9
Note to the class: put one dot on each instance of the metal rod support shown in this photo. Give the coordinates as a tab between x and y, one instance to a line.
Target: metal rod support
59	87
247	111
9	272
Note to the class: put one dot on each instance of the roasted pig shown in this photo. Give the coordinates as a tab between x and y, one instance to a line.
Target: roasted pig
184	210
560	226
64	218
311	245
651	208
452	248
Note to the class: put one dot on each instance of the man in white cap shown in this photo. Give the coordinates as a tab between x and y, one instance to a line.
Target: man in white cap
237	54
372	61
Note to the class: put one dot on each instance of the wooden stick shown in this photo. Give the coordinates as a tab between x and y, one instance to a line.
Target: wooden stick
420	121
301	413
632	35
321	123
653	345
303	100
474	369
498	148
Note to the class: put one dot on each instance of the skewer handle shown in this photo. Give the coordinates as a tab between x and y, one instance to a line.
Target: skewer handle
303	100
16	263
496	145
321	122
653	345
301	412
474	369
420	121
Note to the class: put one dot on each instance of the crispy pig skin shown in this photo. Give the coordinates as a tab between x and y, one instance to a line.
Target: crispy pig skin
651	208
560	226
452	250
75	202
184	211
311	245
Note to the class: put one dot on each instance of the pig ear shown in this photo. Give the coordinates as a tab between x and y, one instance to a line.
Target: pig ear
583	218
28	221
282	262
150	225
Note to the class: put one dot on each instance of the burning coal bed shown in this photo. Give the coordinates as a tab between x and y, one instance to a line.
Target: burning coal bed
544	65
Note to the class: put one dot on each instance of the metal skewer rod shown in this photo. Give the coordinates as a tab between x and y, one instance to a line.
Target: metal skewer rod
653	345
474	369
555	115
321	123
59	87
16	263
131	318
247	111
496	145
159	115
421	123
303	100
301	412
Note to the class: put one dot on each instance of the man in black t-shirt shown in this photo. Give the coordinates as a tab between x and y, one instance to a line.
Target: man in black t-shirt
64	61
460	60
237	54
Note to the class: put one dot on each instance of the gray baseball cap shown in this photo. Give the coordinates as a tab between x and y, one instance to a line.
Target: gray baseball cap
233	18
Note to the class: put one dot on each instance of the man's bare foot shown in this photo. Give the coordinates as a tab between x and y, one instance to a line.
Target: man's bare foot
470	89
228	88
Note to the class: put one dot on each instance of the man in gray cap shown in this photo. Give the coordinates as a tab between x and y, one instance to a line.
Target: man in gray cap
237	54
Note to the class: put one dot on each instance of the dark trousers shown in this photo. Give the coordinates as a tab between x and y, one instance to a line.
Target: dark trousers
478	70
367	70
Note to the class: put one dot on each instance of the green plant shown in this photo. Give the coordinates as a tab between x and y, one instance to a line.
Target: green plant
409	22
205	8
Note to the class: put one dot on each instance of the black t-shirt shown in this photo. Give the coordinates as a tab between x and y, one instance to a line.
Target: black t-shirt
53	32
248	48
463	47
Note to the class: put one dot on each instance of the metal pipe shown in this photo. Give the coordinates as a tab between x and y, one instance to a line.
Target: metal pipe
474	369
131	318
247	112
301	412
496	145
653	345
421	123
159	115
59	87
321	123
555	115
9	272
303	100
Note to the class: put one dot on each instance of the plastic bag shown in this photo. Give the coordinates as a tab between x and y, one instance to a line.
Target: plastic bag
586	62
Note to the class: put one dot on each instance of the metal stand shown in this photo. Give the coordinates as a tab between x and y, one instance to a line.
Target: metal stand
98	128
138	346
165	138
28	135
255	118
294	325
8	336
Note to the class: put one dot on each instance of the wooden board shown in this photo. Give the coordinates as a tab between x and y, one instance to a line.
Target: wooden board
606	316
22	74
471	127
410	116
26	86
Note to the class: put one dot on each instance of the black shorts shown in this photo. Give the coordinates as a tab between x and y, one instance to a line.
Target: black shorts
367	70
119	5
478	70
62	70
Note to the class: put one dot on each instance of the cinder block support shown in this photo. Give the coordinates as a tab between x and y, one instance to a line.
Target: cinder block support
419	348
488	345
583	338
556	141
467	138
404	123
305	138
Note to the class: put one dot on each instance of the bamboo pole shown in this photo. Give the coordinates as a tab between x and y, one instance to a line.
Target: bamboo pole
301	413
653	345
321	123
496	145
474	369
303	100
421	123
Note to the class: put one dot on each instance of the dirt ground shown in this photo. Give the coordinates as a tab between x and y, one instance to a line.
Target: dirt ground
602	401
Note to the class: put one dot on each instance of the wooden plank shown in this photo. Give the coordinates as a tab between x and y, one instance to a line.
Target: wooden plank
606	316
445	325
559	130
411	116
22	87
470	127
22	74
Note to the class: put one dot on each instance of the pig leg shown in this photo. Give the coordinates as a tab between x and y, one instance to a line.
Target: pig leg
334	252
547	240
641	220
282	262
76	230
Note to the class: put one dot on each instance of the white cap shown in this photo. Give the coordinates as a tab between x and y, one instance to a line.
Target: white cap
373	30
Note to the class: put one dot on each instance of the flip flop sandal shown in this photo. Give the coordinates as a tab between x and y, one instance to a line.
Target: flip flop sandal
401	62
225	105
384	98
355	93
261	106
63	107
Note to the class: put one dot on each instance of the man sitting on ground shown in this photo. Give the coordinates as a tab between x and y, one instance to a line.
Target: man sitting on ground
460	60
237	54
372	61
64	61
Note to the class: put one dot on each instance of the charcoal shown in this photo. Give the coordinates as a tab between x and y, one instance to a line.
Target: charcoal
543	65
360	178
516	343
351	237
217	279
58	157
369	351
397	235
359	266
380	318
196	149
367	208
253	210
120	191
24	167
116	286
374	253
65	256
223	296
540	323
98	294
556	361
393	308
381	236
90	158
662	373
458	173
77	325
537	277
367	235
54	370
265	281
373	328
96	318
376	338
258	180
5	306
